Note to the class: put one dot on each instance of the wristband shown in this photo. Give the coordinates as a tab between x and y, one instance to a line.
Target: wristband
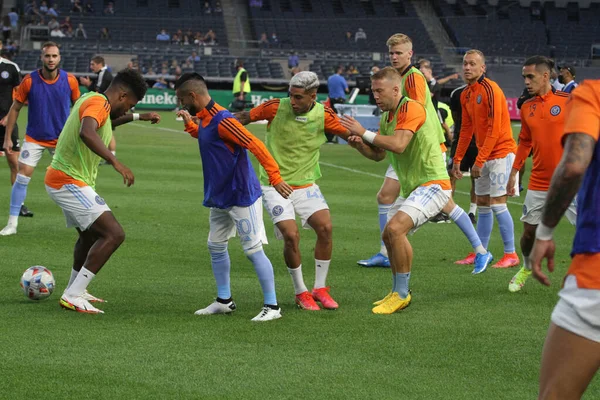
543	232
369	136
136	116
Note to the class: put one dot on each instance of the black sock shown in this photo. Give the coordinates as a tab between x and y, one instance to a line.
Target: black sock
272	307
223	301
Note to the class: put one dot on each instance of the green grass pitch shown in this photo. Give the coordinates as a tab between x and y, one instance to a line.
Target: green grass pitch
464	336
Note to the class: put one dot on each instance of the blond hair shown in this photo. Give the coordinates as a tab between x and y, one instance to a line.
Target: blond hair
398	38
386	73
478	52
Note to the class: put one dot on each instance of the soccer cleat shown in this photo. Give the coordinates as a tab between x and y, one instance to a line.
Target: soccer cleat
508	261
378	260
24	212
473	219
267	314
217	308
8	230
518	281
441	218
79	304
393	304
470	259
386	298
92	299
306	301
322	296
481	262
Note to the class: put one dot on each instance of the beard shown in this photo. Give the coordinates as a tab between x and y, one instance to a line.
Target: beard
561	79
191	109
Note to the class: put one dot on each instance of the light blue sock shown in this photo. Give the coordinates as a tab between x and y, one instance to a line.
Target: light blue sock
507	227
221	265
462	220
383	212
264	270
485	224
401	284
18	194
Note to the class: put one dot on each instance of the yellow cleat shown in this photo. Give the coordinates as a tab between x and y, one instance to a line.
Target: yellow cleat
393	304
386	298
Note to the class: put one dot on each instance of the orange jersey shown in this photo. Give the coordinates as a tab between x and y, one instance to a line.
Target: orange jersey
233	133
485	115
268	110
21	94
583	116
415	86
542	127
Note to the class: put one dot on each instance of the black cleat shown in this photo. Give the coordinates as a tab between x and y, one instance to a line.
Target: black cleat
25	212
441	218
472	218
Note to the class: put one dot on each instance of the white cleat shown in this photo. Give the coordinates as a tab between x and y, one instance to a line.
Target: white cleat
8	230
92	299
217	308
267	314
79	304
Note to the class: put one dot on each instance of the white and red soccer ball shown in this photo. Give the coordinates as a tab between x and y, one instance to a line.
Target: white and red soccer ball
37	282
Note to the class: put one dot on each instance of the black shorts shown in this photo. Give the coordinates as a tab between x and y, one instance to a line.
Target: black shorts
468	160
15	138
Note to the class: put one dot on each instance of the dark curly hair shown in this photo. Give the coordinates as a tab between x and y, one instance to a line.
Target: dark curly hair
133	80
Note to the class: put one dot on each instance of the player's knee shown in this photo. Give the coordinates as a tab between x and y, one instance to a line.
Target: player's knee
117	236
324	231
253	249
384	198
217	247
291	239
394	230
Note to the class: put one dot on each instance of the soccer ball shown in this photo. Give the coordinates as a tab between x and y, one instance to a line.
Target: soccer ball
37	282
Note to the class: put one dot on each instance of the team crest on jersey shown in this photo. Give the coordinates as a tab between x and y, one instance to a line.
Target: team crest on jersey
100	200
277	211
479	98
4	75
25	154
555	110
302	119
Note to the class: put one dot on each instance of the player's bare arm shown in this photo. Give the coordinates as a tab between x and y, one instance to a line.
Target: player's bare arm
367	150
11	120
396	143
243	117
153	117
90	138
579	149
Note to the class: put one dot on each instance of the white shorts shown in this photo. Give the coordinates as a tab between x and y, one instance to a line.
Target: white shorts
534	203
247	222
391	173
304	202
82	206
31	153
422	204
578	310
494	177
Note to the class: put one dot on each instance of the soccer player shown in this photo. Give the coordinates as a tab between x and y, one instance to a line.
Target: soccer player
415	87
296	131
471	154
71	178
426	190
49	92
485	115
542	128
571	354
231	191
10	77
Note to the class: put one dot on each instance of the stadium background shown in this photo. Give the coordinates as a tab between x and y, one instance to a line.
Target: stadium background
463	338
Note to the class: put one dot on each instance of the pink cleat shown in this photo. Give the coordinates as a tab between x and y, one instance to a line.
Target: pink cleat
322	296
469	260
508	261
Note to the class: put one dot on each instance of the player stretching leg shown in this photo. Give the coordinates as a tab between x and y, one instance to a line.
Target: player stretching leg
231	191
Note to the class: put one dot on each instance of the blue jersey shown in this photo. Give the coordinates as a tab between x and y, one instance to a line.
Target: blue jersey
229	179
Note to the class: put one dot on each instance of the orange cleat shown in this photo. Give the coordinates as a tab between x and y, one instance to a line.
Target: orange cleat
322	296
306	301
469	260
508	261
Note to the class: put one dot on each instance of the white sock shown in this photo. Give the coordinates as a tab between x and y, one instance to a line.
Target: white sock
73	276
321	270
114	153
526	262
473	208
81	282
383	250
13	220
480	249
297	280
